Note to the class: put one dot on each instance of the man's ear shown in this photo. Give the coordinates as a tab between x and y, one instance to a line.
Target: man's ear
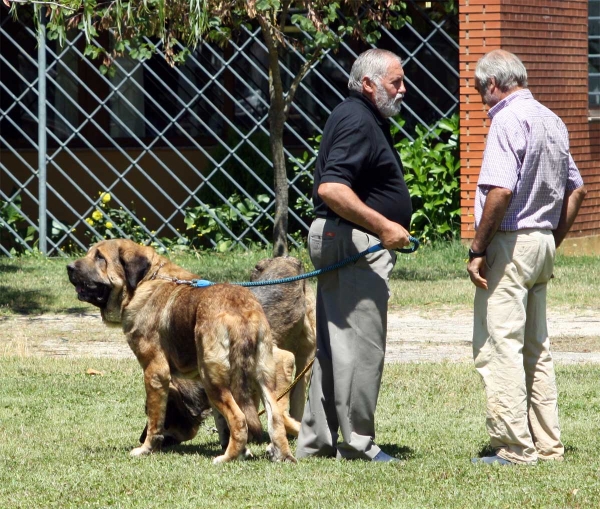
368	85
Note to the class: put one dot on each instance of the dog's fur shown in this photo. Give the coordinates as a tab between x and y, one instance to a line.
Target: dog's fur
290	310
218	335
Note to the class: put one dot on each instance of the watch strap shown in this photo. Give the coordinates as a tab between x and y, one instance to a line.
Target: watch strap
475	254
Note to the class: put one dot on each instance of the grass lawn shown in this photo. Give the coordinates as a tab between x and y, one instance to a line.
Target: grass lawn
65	438
433	277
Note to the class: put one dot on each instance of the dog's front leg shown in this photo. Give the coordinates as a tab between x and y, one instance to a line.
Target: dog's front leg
156	380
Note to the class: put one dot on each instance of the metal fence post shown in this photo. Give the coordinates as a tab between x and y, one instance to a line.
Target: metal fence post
42	131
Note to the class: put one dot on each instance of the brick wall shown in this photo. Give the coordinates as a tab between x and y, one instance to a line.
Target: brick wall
551	37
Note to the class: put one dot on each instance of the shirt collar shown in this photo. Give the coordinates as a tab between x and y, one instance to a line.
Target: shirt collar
371	106
515	96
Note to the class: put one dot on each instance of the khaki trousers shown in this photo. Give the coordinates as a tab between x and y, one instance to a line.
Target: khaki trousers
511	347
351	333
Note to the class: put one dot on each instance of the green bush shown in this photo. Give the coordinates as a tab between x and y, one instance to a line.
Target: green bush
431	171
26	240
11	218
226	222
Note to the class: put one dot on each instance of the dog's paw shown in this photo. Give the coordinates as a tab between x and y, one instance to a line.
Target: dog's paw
220	459
247	455
276	455
140	451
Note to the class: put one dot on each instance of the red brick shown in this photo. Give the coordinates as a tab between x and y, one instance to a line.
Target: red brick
555	54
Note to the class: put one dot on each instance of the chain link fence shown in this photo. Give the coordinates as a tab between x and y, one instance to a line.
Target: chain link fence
179	157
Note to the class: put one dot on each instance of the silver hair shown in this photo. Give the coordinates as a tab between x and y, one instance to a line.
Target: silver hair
505	67
373	64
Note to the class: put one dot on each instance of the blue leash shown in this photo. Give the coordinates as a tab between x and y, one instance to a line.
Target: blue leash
201	283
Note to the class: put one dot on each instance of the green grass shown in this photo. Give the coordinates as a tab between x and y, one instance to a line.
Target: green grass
433	277
65	438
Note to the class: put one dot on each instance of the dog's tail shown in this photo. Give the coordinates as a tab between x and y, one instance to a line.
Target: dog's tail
243	360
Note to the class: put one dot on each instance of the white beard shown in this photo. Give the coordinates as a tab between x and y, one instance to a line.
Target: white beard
388	106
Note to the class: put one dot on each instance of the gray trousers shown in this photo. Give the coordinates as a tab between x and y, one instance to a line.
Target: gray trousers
351	334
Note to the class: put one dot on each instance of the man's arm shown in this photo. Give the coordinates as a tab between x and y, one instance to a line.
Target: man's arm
570	208
345	203
496	204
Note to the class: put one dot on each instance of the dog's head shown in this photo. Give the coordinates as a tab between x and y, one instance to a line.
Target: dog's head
109	273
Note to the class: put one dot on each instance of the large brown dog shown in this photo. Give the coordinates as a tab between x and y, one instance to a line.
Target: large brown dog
290	310
218	335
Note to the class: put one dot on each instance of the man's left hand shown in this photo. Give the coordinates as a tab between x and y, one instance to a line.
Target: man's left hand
476	270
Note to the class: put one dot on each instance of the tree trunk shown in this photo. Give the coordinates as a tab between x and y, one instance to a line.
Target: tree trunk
280	228
277	116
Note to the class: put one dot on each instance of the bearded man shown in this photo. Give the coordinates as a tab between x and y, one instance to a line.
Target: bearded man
360	199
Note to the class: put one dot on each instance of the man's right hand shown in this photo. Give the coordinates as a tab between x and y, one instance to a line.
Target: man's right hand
394	236
476	270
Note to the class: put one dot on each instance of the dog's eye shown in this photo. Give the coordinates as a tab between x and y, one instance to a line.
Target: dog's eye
99	257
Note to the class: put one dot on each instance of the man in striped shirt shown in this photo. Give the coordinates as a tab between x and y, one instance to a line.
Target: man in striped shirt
528	195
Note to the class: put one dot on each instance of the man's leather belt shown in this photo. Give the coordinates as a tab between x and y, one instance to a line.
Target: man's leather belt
341	220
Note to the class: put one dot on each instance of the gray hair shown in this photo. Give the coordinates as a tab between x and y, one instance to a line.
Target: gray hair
505	67
373	64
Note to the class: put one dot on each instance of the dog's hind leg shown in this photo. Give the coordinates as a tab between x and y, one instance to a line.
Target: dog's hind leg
305	352
223	401
156	380
222	429
284	376
279	448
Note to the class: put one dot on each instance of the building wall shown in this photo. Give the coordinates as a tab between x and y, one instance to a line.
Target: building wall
551	38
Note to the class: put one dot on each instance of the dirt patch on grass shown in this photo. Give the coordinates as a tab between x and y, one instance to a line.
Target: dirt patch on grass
73	335
445	335
413	336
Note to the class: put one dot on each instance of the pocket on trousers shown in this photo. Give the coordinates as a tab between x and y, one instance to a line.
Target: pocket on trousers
318	247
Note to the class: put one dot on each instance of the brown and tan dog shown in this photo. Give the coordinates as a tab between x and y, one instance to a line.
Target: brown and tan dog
218	335
290	310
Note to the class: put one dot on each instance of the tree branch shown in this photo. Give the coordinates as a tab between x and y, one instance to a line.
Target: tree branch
298	78
285	6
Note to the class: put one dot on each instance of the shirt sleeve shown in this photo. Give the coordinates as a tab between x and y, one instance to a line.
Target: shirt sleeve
574	180
503	156
349	155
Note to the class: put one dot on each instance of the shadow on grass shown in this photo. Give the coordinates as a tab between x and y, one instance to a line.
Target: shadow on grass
81	310
486	450
25	302
402	452
428	274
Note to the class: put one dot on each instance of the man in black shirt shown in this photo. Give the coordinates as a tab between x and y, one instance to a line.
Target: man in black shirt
360	199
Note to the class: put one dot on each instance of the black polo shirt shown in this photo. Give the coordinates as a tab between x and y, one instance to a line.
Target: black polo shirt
357	150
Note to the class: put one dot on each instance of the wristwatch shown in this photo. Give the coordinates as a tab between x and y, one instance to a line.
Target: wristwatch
475	254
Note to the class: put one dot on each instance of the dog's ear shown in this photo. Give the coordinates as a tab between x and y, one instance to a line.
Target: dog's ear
136	265
259	268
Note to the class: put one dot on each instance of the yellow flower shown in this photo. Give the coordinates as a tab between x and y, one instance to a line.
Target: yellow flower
108	224
89	221
105	197
96	215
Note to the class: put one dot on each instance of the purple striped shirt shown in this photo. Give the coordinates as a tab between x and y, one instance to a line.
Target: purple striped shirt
527	151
